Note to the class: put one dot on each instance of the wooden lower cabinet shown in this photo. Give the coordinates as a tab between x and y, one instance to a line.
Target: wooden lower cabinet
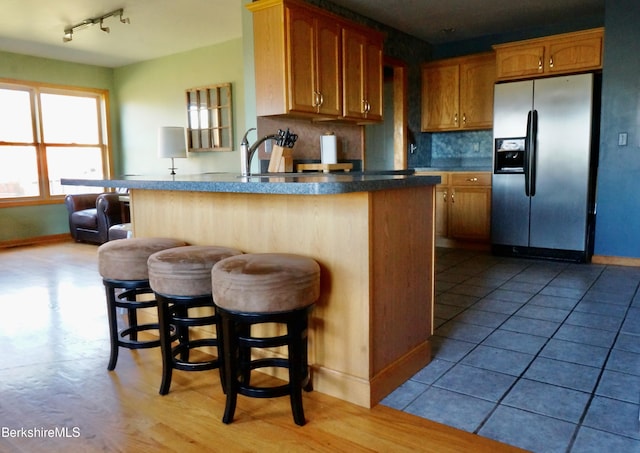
463	206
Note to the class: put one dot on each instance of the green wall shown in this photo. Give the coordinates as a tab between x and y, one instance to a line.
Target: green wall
143	97
151	94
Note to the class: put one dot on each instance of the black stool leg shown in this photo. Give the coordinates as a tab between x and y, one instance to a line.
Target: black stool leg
132	314
182	312
113	326
230	359
165	344
296	331
243	358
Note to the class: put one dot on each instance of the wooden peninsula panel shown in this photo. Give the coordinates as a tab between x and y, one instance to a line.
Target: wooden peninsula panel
370	329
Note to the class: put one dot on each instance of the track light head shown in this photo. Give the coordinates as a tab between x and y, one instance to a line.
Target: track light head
68	32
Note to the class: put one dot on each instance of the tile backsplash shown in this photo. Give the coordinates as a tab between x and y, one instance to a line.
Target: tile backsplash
462	149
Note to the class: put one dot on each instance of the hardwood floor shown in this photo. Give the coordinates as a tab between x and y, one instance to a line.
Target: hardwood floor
57	395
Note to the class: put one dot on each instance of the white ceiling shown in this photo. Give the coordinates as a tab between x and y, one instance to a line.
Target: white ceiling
165	27
157	28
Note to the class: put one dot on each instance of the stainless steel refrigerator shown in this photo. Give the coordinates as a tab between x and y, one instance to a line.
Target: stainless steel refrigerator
544	167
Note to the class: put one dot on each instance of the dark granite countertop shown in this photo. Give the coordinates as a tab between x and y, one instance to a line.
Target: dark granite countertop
267	183
453	169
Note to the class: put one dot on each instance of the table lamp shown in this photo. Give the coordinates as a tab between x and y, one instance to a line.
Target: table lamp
172	143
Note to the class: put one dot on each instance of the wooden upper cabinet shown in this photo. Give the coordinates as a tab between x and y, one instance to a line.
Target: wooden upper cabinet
477	77
301	68
457	94
440	97
362	74
576	53
313	63
525	60
558	54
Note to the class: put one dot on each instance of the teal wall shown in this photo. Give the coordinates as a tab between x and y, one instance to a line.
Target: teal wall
618	209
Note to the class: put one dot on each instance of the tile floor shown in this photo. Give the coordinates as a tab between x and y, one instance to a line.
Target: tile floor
541	355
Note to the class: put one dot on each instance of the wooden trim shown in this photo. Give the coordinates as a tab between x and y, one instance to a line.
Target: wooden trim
40	240
460	244
394	375
400	140
615	260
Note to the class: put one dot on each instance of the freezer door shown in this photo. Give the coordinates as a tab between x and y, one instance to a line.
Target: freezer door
509	203
559	207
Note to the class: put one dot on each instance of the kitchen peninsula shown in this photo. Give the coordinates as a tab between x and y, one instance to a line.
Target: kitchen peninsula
372	234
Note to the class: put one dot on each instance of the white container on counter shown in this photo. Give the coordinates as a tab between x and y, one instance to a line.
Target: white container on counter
328	149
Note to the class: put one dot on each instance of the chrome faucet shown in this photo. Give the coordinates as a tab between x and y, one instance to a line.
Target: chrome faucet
247	152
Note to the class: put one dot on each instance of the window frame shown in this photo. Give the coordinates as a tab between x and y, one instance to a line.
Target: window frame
104	135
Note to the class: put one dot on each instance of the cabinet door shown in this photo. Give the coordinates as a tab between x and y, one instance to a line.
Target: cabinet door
572	54
520	60
440	97
301	59
477	77
469	213
329	78
373	80
362	75
353	53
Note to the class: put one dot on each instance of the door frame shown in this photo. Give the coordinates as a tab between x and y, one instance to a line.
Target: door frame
400	140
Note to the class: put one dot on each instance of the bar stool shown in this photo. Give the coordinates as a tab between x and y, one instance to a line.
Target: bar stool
181	280
122	263
263	288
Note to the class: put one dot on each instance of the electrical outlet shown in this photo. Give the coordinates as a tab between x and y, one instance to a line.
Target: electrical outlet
622	139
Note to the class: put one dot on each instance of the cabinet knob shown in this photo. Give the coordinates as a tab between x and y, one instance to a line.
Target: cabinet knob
551	62
474	179
455	118
444	196
464	118
540	64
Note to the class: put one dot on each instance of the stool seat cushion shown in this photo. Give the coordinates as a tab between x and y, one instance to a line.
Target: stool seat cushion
185	271
126	259
265	282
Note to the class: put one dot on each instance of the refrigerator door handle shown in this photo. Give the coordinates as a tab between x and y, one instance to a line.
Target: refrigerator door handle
527	156
534	152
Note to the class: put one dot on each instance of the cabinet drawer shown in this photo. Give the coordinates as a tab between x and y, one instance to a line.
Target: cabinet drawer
470	179
444	177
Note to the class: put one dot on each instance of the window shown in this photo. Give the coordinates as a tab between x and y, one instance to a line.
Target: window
48	133
209	116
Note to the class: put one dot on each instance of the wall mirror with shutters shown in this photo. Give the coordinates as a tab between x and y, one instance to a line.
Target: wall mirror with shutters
209	116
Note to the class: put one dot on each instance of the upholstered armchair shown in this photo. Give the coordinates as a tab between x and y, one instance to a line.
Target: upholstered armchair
92	214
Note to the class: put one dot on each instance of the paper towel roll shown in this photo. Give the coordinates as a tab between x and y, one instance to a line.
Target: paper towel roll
328	149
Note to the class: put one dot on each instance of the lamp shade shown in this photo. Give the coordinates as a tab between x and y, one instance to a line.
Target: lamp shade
172	142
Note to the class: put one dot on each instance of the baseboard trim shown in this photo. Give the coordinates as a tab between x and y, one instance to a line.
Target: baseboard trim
459	244
615	260
35	240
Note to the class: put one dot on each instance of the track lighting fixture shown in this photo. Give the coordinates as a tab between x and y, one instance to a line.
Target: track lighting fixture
68	32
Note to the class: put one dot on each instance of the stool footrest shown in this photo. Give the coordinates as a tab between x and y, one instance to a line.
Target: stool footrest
137	344
194	366
257	342
194	322
265	392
